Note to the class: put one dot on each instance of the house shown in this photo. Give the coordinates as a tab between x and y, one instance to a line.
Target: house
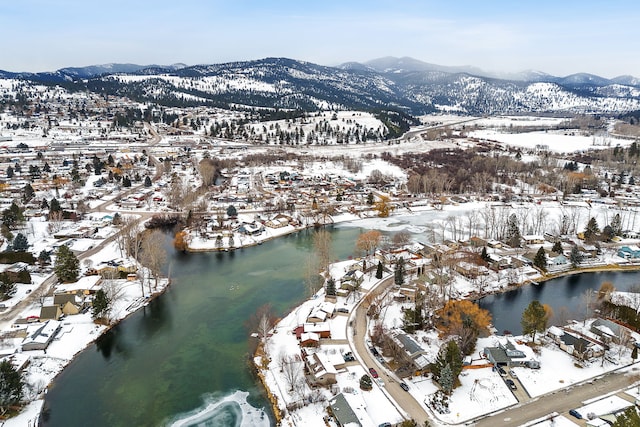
505	355
497	262
343	412
609	331
352	279
39	337
309	339
69	303
416	353
470	270
532	239
321	328
558	260
320	369
575	344
317	316
251	228
50	312
632	251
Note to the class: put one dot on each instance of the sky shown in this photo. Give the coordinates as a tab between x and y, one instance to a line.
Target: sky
559	37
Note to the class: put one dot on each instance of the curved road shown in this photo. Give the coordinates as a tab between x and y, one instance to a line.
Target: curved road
403	401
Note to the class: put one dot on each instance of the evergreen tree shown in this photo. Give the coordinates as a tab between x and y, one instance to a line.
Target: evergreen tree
634	352
27	193
616	225
100	305
366	383
484	255
540	259
629	418
331	287
117	219
44	257
513	231
66	265
54	205
446	379
10	172
126	182
534	319
575	256
11	386
448	355
20	243
557	247
379	270
399	272
592	230
147	181
607	233
12	215
232	212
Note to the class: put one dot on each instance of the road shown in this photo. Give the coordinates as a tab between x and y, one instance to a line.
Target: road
11	314
406	404
561	401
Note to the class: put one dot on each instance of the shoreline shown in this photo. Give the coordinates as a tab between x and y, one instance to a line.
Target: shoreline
259	353
41	398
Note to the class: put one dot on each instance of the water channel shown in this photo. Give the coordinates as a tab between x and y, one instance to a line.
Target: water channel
185	354
189	347
566	295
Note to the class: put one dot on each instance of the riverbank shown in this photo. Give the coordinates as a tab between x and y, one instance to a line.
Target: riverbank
230	241
76	333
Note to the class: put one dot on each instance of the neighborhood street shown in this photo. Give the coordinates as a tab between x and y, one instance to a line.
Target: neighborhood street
561	401
405	403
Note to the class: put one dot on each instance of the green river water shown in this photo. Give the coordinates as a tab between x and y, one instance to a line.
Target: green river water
190	346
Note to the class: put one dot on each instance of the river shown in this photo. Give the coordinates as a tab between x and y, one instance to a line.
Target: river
183	359
186	352
566	295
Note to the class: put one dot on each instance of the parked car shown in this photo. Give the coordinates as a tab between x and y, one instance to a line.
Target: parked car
513	374
380	382
511	384
404	386
575	414
348	357
343	310
373	373
502	372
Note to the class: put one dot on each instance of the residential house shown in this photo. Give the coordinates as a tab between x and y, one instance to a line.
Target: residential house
50	312
532	239
343	413
470	270
505	355
309	339
40	336
352	279
610	331
416	353
321	370
323	329
632	251
575	344
69	303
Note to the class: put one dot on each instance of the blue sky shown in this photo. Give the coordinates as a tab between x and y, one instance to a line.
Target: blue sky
559	37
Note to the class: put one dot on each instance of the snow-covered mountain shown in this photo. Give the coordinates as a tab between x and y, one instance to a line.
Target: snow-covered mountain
404	85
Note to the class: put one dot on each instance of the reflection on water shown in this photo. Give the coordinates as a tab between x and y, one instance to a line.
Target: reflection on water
188	343
565	295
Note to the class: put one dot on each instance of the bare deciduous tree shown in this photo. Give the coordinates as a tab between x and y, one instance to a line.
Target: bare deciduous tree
153	254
